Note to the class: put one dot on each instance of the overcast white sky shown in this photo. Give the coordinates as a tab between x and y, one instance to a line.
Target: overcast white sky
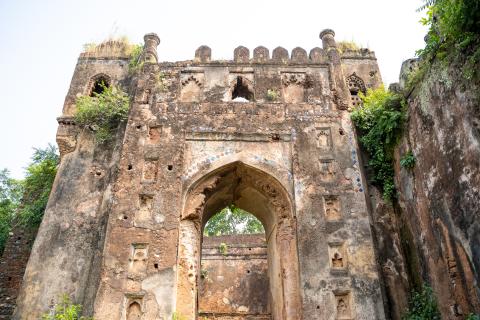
41	40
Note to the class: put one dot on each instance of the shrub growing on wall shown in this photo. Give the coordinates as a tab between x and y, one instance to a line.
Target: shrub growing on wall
379	122
453	35
65	310
422	306
103	112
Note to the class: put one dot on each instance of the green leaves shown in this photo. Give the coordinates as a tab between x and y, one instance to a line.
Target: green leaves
24	201
408	160
453	34
136	63
103	112
232	220
10	193
380	120
422	306
65	310
37	185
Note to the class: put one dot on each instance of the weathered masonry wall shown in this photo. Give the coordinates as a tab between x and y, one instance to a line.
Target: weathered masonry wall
233	278
12	267
132	214
431	235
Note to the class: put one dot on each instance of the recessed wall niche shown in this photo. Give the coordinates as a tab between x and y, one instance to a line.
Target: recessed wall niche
144	211
134	308
323	138
191	87
332	208
154	133
150	170
328	170
343	305
294	87
138	258
338	256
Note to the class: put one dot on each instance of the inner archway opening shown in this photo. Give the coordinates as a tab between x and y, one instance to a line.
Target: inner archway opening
234	266
262	195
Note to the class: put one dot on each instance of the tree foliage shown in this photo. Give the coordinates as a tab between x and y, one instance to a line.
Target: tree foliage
24	201
10	193
232	220
103	112
454	33
37	185
379	121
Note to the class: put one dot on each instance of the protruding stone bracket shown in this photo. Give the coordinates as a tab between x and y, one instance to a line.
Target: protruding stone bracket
150	48
66	135
203	54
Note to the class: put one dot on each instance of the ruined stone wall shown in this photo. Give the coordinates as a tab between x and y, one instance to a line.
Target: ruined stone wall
234	278
431	233
12	267
122	229
439	197
67	252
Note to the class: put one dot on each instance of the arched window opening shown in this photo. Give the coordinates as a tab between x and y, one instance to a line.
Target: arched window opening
99	86
241	92
234	265
355	86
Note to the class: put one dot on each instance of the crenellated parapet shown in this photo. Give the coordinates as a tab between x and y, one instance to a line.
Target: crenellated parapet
261	55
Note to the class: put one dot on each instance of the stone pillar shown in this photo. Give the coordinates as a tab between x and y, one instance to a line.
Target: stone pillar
150	48
187	272
288	250
328	39
337	80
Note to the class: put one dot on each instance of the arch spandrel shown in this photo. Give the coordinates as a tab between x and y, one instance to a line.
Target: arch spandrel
230	184
204	167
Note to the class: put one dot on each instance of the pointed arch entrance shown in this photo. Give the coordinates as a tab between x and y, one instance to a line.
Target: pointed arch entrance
263	196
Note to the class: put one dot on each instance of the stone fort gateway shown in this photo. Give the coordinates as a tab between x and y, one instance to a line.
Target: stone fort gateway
123	230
